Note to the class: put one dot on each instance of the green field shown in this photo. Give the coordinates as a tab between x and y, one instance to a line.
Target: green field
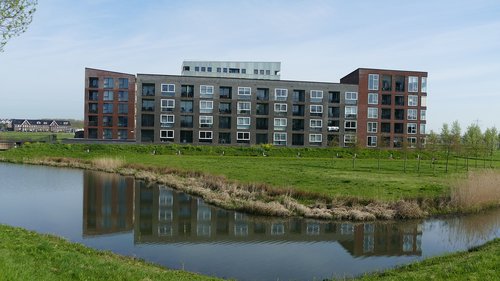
26	255
381	175
479	263
33	136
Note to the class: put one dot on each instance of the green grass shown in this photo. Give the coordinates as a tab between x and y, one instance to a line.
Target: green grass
33	136
26	255
481	263
329	172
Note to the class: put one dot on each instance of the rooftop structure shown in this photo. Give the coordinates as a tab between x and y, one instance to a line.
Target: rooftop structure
232	69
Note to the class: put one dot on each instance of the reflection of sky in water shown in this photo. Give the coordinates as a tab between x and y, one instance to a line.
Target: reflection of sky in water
187	233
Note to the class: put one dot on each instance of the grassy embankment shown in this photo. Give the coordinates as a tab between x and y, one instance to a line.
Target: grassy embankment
25	255
33	136
379	184
480	263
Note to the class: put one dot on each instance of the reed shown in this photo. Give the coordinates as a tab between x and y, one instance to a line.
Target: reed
480	190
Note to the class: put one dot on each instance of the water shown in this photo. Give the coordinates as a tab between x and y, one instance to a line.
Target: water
167	227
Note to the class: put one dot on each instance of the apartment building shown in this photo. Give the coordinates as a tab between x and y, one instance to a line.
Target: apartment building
369	107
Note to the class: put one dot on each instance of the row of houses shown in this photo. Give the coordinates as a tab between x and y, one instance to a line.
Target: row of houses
37	125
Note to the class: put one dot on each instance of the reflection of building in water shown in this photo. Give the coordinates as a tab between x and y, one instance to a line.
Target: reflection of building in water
107	203
167	216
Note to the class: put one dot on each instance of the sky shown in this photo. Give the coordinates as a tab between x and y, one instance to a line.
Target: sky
456	42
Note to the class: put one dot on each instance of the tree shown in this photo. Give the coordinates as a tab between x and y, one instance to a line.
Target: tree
491	139
473	139
456	140
446	141
15	16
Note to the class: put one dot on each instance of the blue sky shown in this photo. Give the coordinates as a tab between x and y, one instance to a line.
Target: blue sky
456	42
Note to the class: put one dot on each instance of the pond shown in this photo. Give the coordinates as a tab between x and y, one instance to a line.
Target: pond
168	227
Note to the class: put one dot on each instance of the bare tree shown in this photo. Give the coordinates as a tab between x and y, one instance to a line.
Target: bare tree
15	16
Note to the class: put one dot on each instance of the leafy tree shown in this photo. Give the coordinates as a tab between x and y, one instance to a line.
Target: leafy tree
473	139
491	139
15	16
446	140
456	136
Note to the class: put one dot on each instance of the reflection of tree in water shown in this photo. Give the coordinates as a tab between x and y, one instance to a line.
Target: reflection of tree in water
473	229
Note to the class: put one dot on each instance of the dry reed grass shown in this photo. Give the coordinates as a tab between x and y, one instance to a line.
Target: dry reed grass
107	164
481	189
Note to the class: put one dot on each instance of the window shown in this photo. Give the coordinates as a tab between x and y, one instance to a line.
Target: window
373	98
206	121
412	114
371	127
351	111
268	72
206	106
244	71
316	108
398	128
297	139
244	107
224	122
122	108
315	123
196	68
93	108
334	112
186	121
122	121
255	71
280	107
298	110
244	91
386	113
107	108
243	122
109	83
399	114
225	92
412	142
424	84
186	106
167	105
206	91
147	120
224	69
334	97
234	70
386	99
351	97
203	69
187	91
412	128
122	134
298	124
167	134
122	96
243	136
423	114
371	141
315	138
412	84
123	83
350	125
422	129
262	109
205	135
107	134
412	100
373	82
349	139
261	123
298	96
262	94
279	138
386	82
93	95
385	127
209	69
167	120
280	122
219	69
93	82
107	121
225	107
400	83
148	89
148	105
224	138
423	101
168	88
316	95
399	100
280	94
372	112
108	96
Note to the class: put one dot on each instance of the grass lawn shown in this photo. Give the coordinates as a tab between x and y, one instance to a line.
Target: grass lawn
481	263
26	255
371	175
33	136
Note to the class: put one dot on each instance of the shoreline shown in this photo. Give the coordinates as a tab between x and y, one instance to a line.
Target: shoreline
261	199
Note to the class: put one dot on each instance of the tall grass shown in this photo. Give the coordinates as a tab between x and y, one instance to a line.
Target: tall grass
107	164
479	190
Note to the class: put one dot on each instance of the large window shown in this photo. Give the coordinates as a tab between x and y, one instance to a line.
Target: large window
280	94
148	89
93	82
372	98
280	107
187	91
167	105
224	122
262	94
186	121
244	136
316	95
372	112
122	121
351	112
316	108
412	114
123	83
298	96
206	106
373	82
412	128
122	108
122	96
166	134
334	97
424	84
93	95
107	108
225	107
107	96
412	84
371	141
315	138
349	139
244	91
225	92
412	100
279	138
107	121
315	123
206	91
371	127
205	135
109	83
423	114
280	123
351	97
422	129
167	120
244	107
400	83
148	105
206	121
423	101
168	88
350	125
186	106
386	82
243	123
